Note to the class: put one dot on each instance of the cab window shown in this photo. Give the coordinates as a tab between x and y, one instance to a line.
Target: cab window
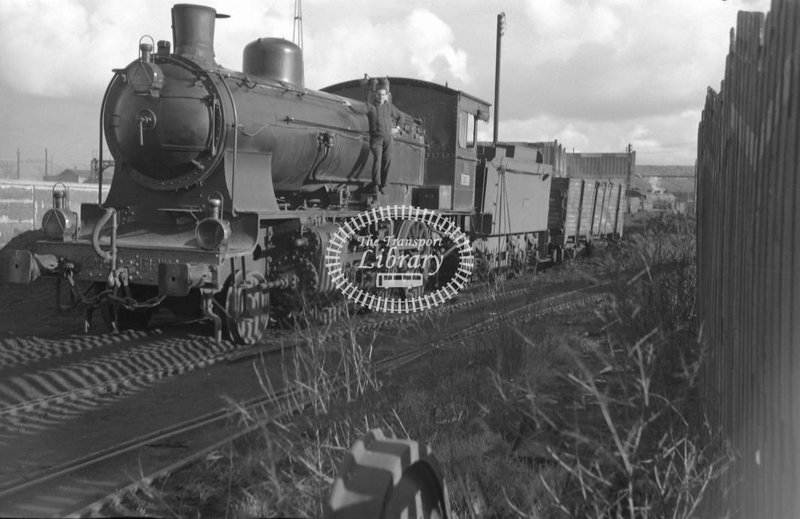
466	130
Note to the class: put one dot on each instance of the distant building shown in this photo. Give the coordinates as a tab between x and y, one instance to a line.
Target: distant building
70	175
25	169
665	171
84	176
108	171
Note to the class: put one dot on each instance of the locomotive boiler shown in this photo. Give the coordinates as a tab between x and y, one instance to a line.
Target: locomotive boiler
226	188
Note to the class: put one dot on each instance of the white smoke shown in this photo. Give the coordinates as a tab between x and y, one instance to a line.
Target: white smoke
655	185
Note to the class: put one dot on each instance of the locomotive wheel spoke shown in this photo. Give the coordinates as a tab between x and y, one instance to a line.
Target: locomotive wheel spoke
246	308
416	230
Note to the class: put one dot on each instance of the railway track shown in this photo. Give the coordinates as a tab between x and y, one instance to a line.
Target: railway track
31	401
482	293
97	370
19	351
82	486
107	368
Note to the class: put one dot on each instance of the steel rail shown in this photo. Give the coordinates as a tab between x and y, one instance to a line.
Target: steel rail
97	505
387	364
99	388
370	322
287	400
19	484
21	409
147	372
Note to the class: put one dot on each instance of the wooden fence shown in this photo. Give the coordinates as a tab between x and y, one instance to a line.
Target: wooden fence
749	264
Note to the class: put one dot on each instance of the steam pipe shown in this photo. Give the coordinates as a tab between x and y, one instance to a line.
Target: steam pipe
235	139
110	213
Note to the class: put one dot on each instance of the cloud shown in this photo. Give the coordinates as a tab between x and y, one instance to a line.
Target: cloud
65	48
419	44
656	139
430	41
567	25
593	74
248	21
617	59
69	47
32	32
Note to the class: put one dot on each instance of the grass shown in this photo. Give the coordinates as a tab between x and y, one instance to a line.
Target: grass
587	414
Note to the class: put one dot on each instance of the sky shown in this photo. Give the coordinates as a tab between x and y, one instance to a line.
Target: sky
594	74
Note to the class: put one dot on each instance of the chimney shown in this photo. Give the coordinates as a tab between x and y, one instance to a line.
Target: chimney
193	31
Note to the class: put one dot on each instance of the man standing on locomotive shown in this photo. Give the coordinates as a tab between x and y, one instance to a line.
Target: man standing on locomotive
382	116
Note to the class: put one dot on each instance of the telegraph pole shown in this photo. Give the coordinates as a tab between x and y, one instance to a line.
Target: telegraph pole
501	28
17	163
630	177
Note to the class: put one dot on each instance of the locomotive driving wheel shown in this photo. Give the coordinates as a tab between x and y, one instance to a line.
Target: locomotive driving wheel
416	230
246	307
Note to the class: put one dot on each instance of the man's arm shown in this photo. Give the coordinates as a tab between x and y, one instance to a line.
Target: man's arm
397	115
359	108
398	120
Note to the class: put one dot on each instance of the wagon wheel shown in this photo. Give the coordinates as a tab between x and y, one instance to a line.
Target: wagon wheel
558	255
246	306
533	262
520	263
483	265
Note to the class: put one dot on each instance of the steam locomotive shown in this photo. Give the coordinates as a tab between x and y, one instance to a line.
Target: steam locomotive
228	185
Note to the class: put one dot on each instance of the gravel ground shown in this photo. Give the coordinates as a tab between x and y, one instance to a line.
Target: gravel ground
31	310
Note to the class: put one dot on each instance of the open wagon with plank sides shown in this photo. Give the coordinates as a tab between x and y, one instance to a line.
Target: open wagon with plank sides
590	202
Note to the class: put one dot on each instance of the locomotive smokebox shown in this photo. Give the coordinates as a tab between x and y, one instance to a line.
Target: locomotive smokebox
275	59
193	31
